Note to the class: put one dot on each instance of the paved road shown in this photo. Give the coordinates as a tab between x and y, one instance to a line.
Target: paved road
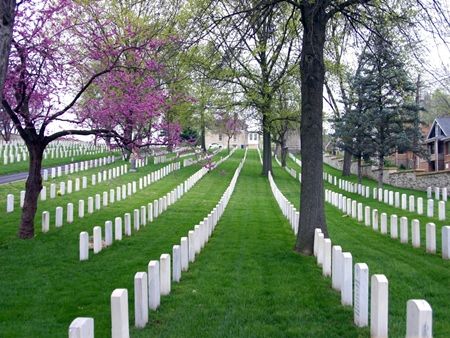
23	176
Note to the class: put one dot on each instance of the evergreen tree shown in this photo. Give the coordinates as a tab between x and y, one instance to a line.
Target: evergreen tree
386	98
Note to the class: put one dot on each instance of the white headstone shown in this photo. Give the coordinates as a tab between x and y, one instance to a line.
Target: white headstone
90	205
98	202
415	233
431	238
404	202
191	245
375	219
441	207
336	267
316	240
437	193
379	306
59	217
403	230
119	314
118	228
383	223
154	293
367	216
430	208
397	199
444	194
176	265
326	267
43	194
184	253
419	319
394	226
82	327
140	299
52	190
361	303
347	279
136	221
45	221
320	238
69	213
10	203
420	205
446	242
108	233
411	203
97	239
84	246
429	193
127	221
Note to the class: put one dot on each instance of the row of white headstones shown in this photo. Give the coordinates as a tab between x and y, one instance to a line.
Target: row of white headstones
392	197
339	266
362	213
150	285
69	186
14	154
95	203
142	215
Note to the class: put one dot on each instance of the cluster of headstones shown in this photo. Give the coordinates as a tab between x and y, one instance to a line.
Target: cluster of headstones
362	213
17	151
287	208
76	167
118	194
156	282
392	198
339	266
68	187
141	216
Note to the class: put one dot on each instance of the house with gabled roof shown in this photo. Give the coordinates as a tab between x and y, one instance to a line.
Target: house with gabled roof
438	145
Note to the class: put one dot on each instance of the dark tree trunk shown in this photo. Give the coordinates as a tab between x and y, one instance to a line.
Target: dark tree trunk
203	132
359	170
267	151
380	171
346	169
228	144
33	189
312	71
284	151
7	10
277	149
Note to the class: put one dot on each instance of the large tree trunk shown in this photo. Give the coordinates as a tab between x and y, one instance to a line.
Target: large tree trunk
380	171
346	169
312	70
32	190
267	151
7	10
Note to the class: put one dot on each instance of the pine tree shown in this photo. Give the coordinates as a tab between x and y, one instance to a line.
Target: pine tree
386	99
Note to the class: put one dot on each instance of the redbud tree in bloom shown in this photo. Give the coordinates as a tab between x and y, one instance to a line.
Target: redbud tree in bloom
60	48
131	102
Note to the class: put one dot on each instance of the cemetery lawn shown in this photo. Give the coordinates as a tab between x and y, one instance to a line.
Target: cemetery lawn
412	273
18	167
248	281
44	285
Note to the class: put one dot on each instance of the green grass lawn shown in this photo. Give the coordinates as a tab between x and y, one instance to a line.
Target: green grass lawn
45	286
248	282
412	273
11	220
22	166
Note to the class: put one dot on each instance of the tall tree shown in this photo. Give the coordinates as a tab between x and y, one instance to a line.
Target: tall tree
386	98
260	48
60	48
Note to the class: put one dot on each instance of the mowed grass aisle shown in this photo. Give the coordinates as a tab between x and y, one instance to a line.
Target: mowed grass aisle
248	281
412	273
44	285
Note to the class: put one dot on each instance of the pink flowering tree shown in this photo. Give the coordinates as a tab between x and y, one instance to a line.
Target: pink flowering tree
60	49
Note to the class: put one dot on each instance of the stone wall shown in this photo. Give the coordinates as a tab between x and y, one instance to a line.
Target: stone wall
412	179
